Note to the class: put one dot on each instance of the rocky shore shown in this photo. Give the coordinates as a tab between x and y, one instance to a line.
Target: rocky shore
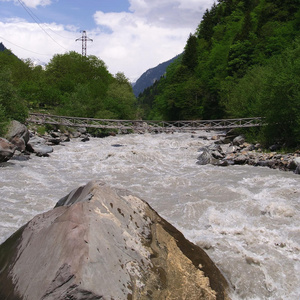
19	142
231	149
225	149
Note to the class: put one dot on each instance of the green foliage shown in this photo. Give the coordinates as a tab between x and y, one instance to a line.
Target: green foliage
70	85
272	91
189	58
239	63
120	100
3	121
11	105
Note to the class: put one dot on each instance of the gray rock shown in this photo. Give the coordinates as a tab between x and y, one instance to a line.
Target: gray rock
217	154
54	141
7	150
205	157
240	159
103	243
19	143
82	130
42	150
232	149
16	129
55	134
239	140
39	146
18	135
297	162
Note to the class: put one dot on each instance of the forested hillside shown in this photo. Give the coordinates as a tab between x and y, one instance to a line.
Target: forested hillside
149	77
70	85
242	61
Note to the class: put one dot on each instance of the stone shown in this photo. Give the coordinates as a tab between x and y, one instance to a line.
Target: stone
82	130
55	134
215	137
239	140
105	243
232	149
85	139
240	159
205	157
19	143
203	137
39	146
54	141
7	150
297	162
16	129
217	154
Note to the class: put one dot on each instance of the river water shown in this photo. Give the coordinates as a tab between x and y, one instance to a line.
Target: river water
246	218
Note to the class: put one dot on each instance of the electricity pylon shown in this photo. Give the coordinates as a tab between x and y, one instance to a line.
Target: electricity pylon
84	40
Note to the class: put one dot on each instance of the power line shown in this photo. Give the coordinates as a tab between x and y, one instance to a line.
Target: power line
31	14
22	47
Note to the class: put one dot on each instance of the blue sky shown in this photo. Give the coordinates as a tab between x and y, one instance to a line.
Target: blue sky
129	36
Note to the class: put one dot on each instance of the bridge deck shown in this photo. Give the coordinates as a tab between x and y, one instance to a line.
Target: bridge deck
144	126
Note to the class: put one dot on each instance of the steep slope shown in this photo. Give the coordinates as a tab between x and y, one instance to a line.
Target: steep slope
150	76
2	47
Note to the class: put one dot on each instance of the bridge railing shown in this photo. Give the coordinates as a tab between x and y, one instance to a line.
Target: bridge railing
142	125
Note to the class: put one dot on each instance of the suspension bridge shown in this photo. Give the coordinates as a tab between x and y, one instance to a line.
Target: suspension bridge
141	126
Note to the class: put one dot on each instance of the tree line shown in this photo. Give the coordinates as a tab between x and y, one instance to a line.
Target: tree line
242	61
70	84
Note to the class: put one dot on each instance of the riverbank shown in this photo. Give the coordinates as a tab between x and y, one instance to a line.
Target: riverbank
226	148
231	149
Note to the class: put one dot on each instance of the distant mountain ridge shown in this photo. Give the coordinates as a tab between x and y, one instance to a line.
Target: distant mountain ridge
150	76
2	47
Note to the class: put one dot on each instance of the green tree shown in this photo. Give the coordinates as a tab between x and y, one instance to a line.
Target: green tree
120	101
10	103
272	91
190	55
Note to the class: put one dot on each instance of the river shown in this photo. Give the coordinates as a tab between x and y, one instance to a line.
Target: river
246	218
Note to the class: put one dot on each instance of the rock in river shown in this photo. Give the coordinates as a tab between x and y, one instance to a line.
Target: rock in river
104	243
7	150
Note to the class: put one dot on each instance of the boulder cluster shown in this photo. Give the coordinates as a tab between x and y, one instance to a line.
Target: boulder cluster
232	149
19	142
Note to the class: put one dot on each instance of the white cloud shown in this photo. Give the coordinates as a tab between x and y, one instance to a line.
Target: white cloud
152	32
31	3
35	3
27	40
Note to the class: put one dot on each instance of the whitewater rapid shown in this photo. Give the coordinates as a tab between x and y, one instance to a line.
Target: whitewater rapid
246	218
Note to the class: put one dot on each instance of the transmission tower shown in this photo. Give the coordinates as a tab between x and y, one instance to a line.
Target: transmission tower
84	40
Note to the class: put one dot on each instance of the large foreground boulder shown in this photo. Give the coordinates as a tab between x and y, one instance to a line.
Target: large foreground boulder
103	243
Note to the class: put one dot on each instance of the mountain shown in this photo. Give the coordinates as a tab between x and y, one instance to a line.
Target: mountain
2	47
150	76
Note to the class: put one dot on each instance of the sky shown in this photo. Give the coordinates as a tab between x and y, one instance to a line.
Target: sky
130	36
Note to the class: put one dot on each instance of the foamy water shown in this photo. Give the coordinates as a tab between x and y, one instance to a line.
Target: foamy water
246	218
